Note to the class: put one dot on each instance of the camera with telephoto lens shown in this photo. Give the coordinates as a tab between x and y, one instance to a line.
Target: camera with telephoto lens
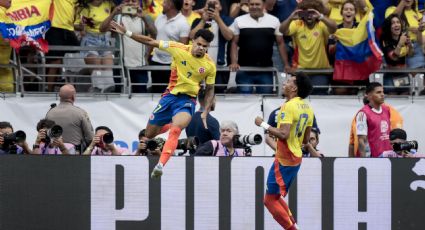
190	143
54	132
405	146
241	141
10	140
155	143
106	139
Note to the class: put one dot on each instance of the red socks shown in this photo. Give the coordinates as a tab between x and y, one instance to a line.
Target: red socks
273	203
165	128
170	145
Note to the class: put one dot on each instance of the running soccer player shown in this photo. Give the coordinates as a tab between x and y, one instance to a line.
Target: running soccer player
295	120
190	66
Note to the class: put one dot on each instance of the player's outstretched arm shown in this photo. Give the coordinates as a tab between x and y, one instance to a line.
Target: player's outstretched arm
137	37
209	97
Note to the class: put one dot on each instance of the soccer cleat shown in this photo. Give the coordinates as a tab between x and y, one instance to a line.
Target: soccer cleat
157	171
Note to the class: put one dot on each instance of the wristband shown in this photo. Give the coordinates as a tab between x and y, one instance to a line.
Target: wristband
128	33
321	16
265	125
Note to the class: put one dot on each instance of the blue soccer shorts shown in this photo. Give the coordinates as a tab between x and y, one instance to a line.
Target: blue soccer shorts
170	105
280	178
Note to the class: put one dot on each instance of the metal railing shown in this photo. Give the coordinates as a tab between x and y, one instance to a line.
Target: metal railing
75	71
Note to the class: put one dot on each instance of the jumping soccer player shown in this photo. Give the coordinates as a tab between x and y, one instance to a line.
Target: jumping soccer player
295	120
190	66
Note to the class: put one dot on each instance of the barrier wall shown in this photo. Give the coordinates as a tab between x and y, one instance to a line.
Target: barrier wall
126	117
116	193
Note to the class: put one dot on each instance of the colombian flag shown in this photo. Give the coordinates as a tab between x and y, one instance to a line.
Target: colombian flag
357	53
25	23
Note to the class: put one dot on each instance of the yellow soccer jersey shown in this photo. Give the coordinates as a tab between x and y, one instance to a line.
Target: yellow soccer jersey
299	115
310	45
412	16
97	14
64	14
187	71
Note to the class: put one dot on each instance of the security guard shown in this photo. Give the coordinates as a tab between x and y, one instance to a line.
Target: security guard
77	128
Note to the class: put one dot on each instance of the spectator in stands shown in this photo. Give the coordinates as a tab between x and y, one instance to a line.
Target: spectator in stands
75	122
397	137
310	30
397	46
60	34
224	146
406	10
103	144
46	144
349	10
311	149
336	7
142	147
255	34
140	23
217	23
239	8
171	26
196	127
373	123
6	74
188	13
17	145
152	8
91	16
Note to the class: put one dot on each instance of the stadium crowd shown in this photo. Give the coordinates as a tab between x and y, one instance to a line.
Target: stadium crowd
290	35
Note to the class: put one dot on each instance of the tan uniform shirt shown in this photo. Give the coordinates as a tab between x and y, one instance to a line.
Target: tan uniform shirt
77	128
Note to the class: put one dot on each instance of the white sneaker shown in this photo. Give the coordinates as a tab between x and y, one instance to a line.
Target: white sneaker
157	171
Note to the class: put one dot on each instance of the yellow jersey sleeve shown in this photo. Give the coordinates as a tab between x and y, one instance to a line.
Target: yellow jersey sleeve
286	114
210	79
172	47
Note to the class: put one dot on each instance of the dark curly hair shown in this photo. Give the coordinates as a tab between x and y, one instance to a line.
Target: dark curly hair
311	4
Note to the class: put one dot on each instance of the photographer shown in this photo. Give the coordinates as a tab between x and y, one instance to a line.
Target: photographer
311	149
103	143
148	147
49	139
10	142
401	147
224	146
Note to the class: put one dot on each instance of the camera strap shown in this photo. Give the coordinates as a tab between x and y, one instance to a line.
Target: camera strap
215	147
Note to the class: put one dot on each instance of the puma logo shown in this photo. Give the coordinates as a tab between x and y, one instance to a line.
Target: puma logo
419	169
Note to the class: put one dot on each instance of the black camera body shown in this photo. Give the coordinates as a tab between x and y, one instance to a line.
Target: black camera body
106	139
189	143
154	143
10	140
405	146
54	132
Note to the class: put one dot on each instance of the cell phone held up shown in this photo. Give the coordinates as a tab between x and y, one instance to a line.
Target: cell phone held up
211	6
129	10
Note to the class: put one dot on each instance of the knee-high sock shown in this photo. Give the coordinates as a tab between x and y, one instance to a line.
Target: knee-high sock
164	129
170	145
278	212
285	206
